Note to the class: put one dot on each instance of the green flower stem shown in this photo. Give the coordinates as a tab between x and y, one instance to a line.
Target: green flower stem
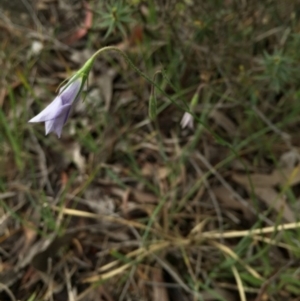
187	109
131	64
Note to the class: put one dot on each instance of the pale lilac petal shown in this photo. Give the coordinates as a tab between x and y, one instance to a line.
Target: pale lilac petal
52	111
55	125
55	115
68	95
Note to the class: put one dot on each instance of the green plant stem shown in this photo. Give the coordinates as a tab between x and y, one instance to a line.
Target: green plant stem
131	64
128	61
187	109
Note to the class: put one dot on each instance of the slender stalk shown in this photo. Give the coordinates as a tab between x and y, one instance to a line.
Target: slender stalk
186	108
131	64
128	61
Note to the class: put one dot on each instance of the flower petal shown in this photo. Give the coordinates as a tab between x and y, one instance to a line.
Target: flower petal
55	125
68	95
56	114
52	111
187	121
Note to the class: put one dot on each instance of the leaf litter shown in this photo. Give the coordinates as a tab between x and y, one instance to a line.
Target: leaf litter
122	208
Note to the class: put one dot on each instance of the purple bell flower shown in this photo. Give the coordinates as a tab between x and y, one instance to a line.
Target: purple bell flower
56	114
187	121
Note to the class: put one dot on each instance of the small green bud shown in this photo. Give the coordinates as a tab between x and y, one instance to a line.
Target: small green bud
152	106
195	100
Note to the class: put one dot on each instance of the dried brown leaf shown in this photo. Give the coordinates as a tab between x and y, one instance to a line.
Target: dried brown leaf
30	235
222	120
97	201
227	200
290	159
143	197
263	188
277	201
290	176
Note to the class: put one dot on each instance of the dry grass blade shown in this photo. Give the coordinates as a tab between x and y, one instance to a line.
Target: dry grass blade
118	220
198	228
265	230
239	283
70	290
140	253
114	263
114	219
272	242
233	255
108	275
